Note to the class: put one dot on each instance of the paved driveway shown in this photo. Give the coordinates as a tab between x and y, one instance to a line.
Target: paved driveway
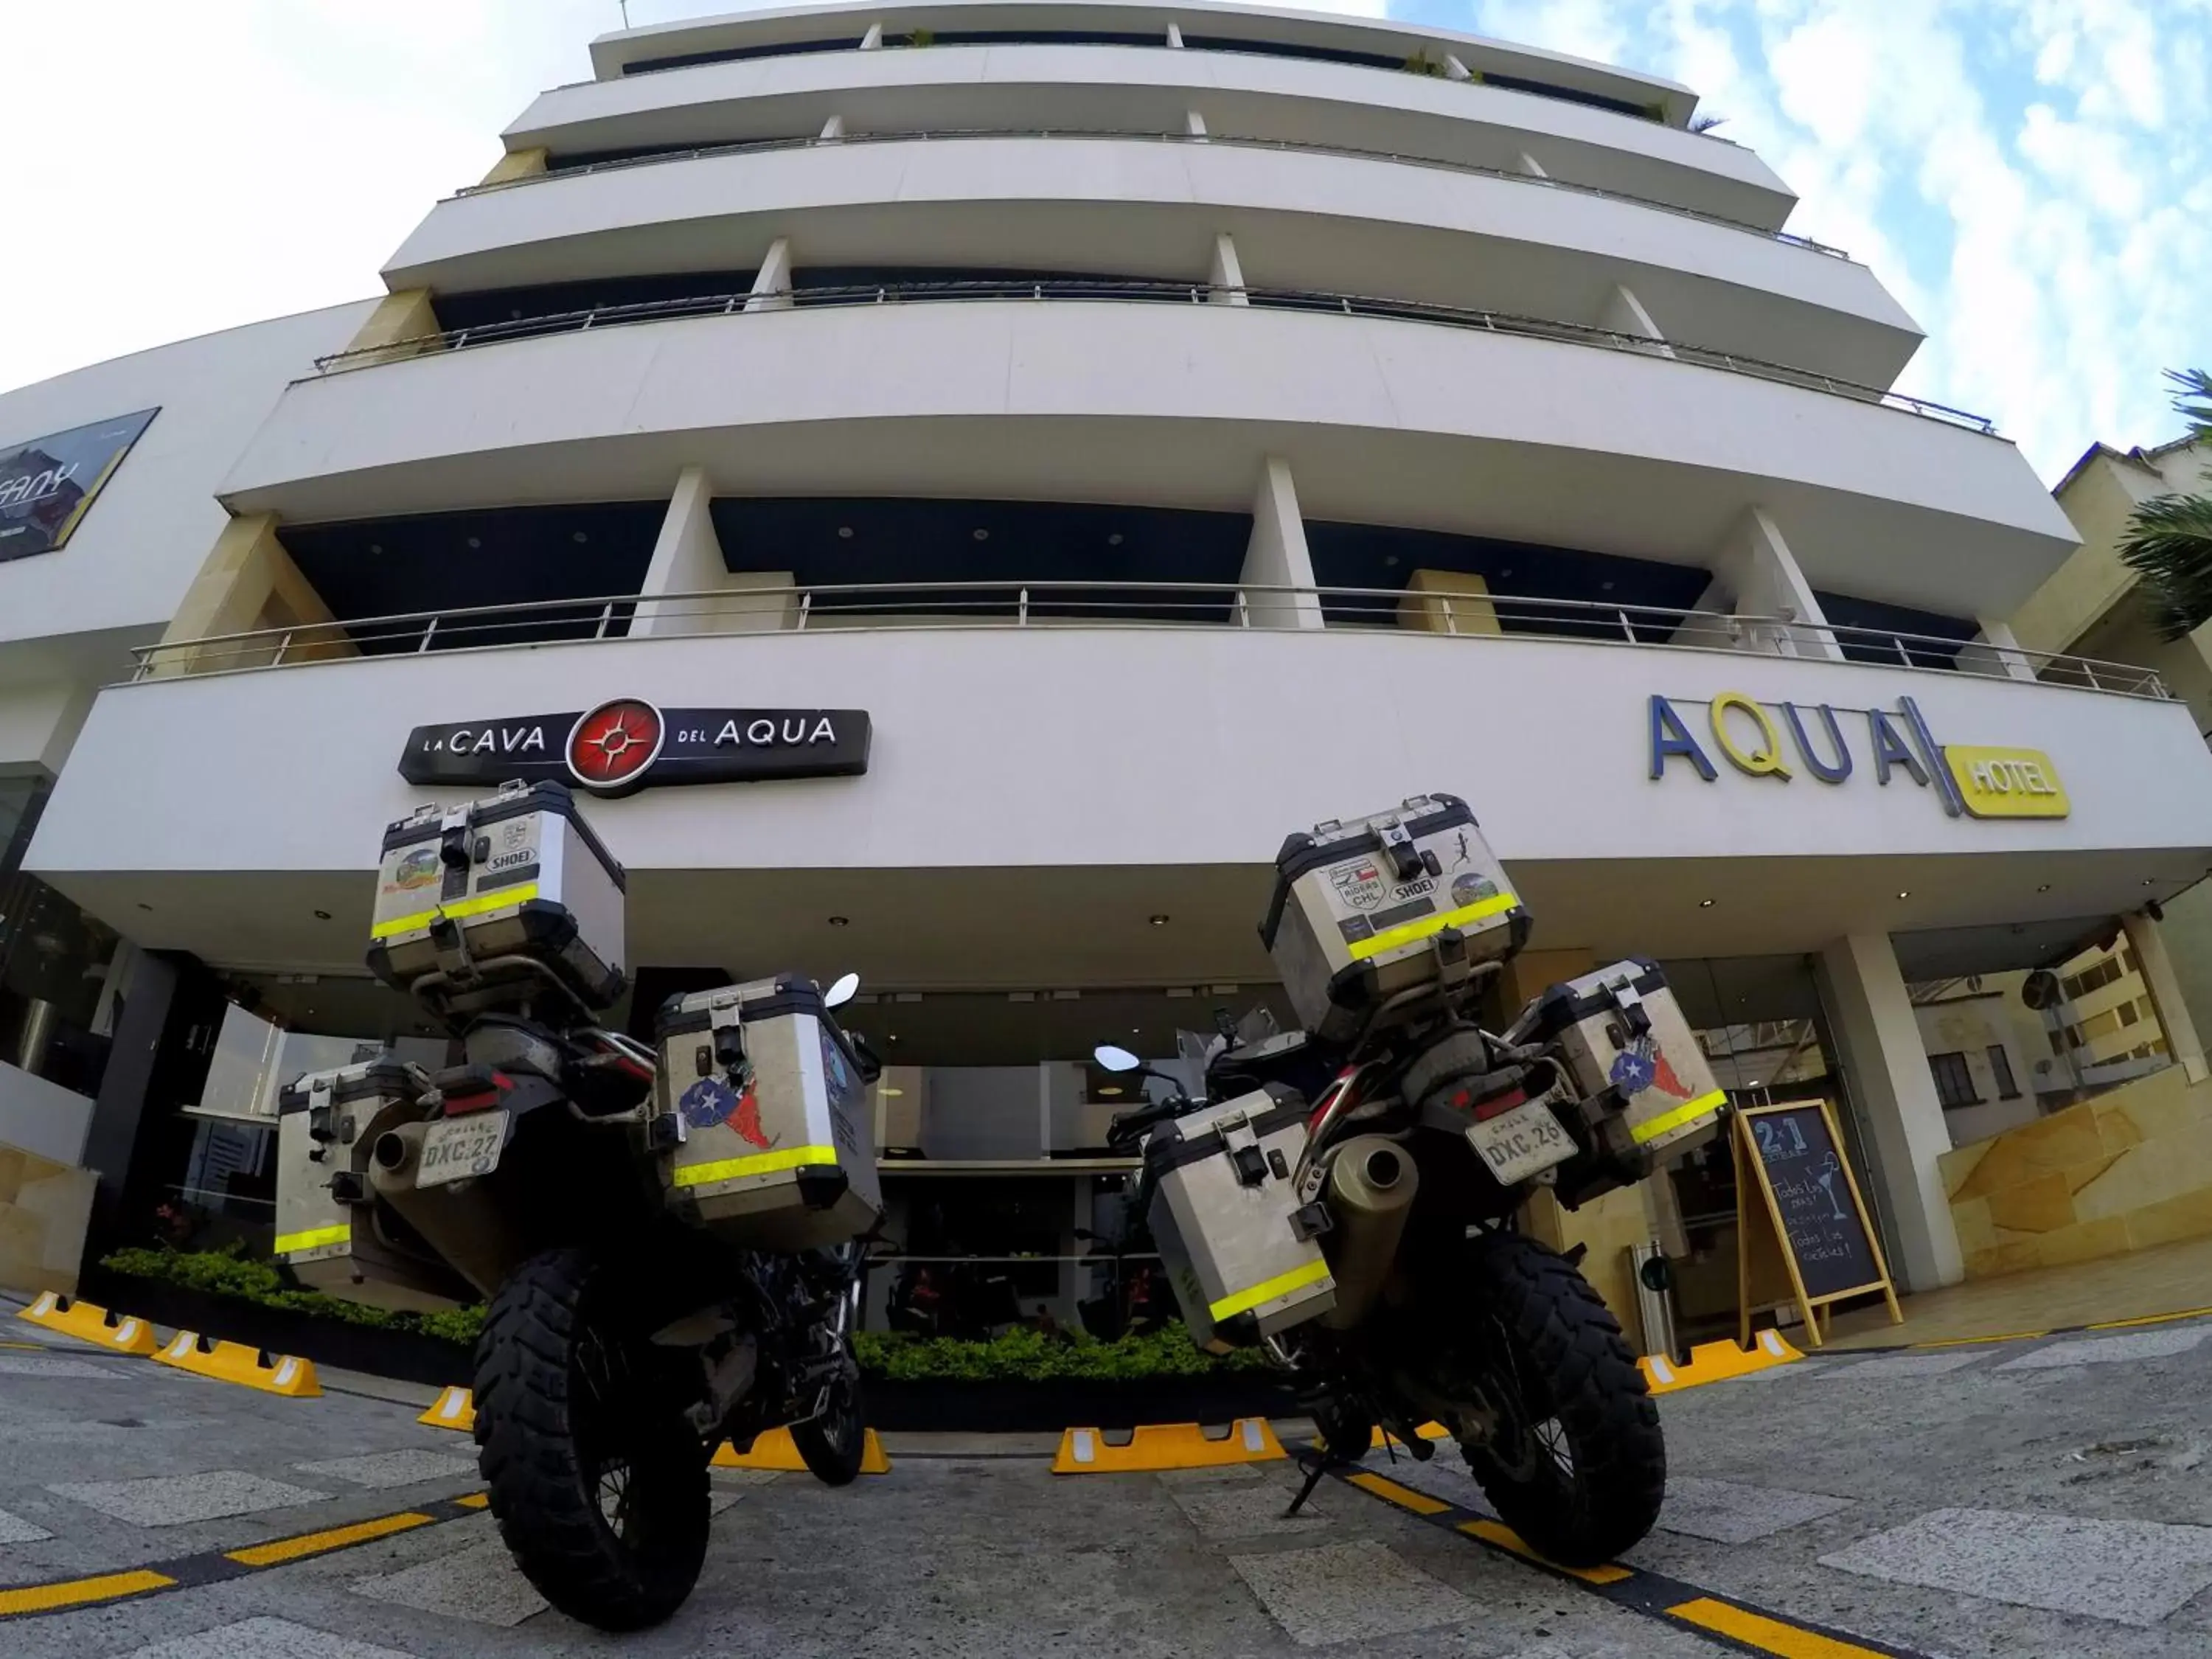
2049	1499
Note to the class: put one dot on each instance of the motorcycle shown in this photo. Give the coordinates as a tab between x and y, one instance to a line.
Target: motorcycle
1467	1322
642	1305
1365	1234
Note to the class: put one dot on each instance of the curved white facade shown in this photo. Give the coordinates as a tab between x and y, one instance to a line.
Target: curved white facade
1124	403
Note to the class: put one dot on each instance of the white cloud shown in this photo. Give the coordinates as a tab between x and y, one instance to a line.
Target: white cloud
2032	177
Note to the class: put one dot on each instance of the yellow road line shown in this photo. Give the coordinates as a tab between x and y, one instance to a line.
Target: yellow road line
317	1543
1973	1342
78	1592
1766	1635
2149	1319
1404	1496
1497	1533
475	1500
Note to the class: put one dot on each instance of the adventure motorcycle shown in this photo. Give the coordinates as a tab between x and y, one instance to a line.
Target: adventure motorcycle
1366	1236
668	1237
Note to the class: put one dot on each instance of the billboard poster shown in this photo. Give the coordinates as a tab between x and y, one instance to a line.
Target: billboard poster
47	484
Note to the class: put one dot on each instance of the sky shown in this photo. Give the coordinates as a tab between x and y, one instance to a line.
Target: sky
2032	177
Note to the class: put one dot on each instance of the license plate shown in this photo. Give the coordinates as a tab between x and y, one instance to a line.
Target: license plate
1517	1144
461	1147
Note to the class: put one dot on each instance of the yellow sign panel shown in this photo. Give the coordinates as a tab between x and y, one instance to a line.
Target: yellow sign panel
2006	783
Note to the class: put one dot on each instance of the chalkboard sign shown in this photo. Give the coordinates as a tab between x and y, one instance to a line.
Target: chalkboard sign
1813	1210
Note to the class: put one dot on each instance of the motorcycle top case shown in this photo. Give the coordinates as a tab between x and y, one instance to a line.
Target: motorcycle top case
1244	1256
517	874
331	1244
1620	1028
778	1120
1359	906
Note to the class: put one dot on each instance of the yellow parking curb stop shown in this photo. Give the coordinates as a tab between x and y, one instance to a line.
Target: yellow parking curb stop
234	1362
775	1449
1717	1362
1156	1446
454	1408
123	1333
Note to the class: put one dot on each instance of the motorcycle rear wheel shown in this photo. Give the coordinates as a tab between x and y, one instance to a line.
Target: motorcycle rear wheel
833	1444
1578	1465
599	1485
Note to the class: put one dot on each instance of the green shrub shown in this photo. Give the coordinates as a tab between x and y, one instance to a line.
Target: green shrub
1019	1356
1027	1355
229	1272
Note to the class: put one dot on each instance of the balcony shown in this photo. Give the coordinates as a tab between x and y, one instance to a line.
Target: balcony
1012	86
1423	416
1304	215
1051	767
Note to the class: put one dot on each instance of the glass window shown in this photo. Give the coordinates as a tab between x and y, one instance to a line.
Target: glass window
1954	1084
2129	1014
2001	1068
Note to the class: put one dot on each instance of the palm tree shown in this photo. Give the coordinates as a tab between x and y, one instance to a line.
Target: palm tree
2168	540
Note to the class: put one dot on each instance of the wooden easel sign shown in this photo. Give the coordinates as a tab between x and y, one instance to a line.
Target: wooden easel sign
1808	1214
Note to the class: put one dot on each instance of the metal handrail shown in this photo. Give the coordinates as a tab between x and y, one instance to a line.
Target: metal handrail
1022	604
1140	291
764	146
1479	78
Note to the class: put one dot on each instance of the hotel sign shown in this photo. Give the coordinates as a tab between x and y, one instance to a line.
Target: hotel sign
1969	781
48	484
626	745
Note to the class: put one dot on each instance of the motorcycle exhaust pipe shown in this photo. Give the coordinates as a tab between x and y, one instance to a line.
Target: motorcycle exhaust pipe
471	1234
1372	1185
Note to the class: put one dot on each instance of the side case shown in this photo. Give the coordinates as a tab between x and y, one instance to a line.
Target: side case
1243	1259
778	1111
1620	1028
326	1222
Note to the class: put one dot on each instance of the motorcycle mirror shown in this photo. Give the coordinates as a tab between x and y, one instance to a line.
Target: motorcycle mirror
1116	1058
846	987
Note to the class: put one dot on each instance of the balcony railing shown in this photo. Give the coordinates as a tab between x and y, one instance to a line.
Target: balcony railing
738	610
1291	146
1117	290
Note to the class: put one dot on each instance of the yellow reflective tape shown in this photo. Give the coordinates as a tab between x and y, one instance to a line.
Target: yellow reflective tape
1267	1290
1390	938
457	910
319	1543
1652	1127
1764	1635
729	1168
1404	1496
75	1592
314	1238
1497	1533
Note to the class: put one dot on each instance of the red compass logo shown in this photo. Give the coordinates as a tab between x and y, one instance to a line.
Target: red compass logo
611	746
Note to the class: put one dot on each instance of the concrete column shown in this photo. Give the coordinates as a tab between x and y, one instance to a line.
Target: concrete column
1893	1093
1276	557
1994	651
1175	35
404	324
687	558
1529	166
1227	275
1455	70
247	583
1624	314
873	39
2149	938
1756	569
772	283
517	164
1194	124
832	128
